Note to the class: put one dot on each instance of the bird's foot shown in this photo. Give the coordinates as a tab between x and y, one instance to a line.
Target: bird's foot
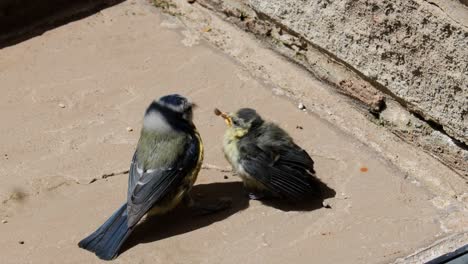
256	196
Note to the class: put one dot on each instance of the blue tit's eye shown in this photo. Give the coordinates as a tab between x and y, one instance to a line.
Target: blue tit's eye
235	122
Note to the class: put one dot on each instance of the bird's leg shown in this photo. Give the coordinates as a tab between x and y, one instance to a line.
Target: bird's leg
256	194
251	191
206	209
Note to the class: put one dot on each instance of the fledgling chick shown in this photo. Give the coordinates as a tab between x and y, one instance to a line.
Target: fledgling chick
266	158
165	165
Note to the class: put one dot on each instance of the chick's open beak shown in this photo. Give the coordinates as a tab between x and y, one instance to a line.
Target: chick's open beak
225	116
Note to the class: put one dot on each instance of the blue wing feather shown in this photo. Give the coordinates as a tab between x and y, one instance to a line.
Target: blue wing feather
145	191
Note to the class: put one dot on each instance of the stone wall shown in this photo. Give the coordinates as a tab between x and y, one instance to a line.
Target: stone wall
411	49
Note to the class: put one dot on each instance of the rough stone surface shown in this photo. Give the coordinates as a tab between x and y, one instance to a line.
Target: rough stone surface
321	64
412	48
300	51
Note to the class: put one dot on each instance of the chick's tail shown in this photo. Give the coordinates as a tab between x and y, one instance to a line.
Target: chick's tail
107	239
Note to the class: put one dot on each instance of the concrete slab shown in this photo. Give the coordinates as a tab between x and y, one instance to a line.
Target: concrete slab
68	98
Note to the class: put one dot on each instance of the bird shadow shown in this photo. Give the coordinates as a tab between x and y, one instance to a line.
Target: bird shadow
309	204
184	219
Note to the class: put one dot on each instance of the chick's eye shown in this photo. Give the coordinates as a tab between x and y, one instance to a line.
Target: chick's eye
235	122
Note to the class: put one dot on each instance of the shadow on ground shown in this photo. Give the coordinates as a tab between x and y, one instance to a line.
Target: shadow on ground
310	204
21	20
184	220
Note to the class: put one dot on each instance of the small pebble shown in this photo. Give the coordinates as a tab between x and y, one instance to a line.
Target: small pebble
206	29
226	177
129	129
299	127
61	105
301	106
21	242
4	221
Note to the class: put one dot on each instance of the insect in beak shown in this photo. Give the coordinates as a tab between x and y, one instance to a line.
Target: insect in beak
225	116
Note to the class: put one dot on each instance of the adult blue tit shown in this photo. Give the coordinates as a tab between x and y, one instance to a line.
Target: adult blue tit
165	165
266	158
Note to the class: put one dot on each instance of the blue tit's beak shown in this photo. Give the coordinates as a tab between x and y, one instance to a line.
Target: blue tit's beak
225	116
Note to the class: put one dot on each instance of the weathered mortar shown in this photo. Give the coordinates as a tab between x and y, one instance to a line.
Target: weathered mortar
410	47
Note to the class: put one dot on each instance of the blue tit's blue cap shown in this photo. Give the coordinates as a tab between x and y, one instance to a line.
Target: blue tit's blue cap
173	99
175	102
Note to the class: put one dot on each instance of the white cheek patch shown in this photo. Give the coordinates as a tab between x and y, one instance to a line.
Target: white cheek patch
156	122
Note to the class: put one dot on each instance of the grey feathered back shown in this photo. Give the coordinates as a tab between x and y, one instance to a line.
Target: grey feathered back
268	154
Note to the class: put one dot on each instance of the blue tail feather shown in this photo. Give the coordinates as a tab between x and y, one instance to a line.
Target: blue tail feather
107	239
